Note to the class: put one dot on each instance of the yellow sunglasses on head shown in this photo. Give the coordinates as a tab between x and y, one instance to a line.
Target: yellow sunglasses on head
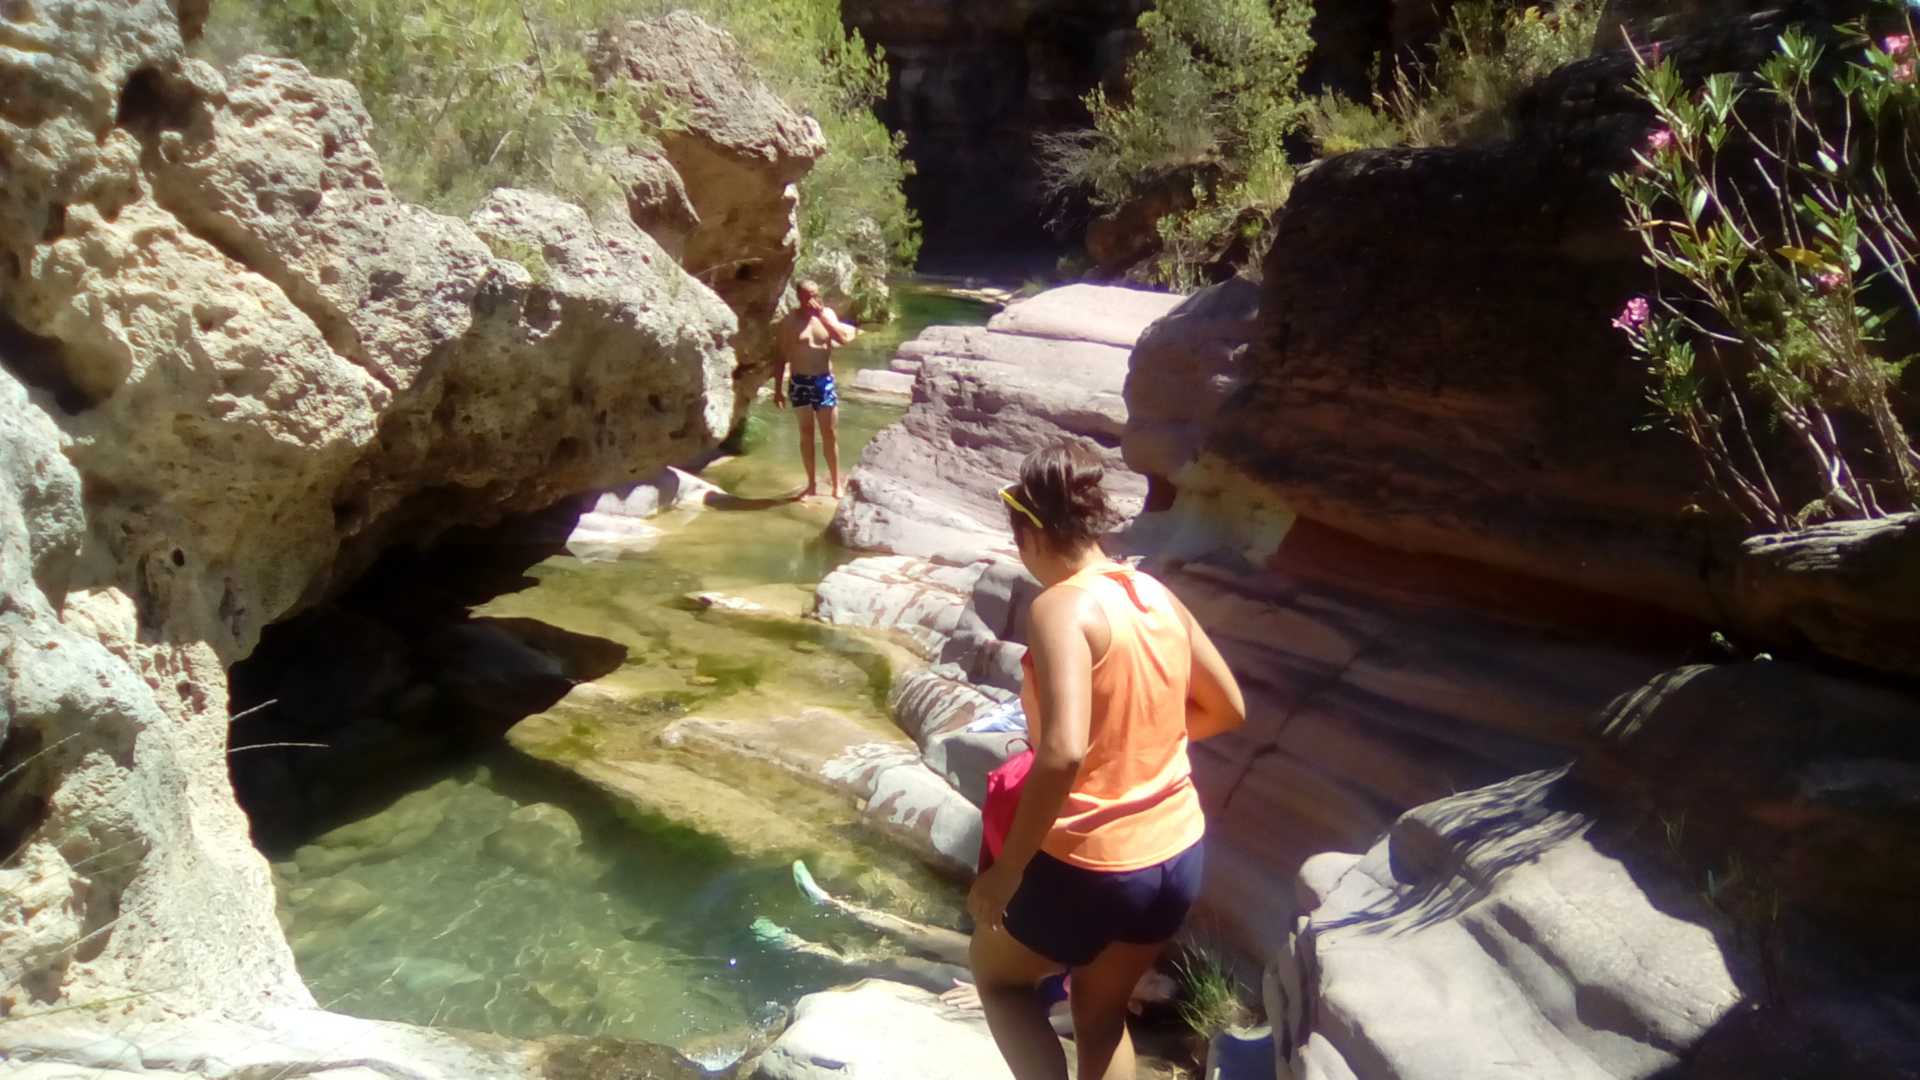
1007	496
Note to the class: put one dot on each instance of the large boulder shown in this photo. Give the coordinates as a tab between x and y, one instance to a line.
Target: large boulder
1714	887
739	150
1802	784
1849	589
1183	370
1489	932
1047	368
232	366
1495	416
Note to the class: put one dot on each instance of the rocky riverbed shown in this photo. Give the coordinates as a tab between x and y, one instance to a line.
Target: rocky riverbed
1547	771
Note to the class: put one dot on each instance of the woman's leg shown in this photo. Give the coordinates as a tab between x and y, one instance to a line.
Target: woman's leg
1101	991
1006	972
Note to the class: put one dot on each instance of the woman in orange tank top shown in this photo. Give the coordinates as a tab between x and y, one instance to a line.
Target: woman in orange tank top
1104	857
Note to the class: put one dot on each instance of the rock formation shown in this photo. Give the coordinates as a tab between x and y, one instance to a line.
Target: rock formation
1495	928
1046	368
739	150
1447	566
881	1029
1474	460
233	366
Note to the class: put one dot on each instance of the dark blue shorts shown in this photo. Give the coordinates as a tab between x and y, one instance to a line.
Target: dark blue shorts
812	392
1069	914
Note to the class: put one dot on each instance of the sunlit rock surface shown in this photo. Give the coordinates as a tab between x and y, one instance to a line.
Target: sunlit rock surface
739	151
881	1029
234	367
1051	367
1492	928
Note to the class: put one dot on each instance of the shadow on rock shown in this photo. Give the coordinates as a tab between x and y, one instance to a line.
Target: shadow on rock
391	682
1446	856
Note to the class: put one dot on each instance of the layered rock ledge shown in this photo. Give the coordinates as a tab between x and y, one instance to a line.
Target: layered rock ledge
1051	367
234	366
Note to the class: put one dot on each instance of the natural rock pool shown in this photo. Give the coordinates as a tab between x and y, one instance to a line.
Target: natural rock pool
621	866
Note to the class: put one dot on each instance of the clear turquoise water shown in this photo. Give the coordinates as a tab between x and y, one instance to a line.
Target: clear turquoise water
447	907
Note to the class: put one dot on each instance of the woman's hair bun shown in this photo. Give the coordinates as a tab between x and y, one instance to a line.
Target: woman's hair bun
1061	484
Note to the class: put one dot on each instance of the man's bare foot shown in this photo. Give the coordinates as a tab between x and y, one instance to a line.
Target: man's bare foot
807	494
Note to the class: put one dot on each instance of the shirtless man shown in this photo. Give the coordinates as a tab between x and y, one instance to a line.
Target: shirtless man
807	337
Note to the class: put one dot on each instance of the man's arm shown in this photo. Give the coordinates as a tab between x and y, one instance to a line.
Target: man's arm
780	377
837	332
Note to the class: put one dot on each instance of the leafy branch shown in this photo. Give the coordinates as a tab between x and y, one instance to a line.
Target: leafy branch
1766	205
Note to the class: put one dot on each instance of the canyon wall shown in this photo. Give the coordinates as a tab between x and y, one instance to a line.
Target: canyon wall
234	367
1485	561
971	85
1549	767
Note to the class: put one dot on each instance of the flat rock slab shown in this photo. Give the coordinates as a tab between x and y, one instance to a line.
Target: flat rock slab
887	384
281	1042
922	602
882	1031
1102	313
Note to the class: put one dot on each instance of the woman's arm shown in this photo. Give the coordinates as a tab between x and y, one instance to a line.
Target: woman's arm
1215	705
1063	666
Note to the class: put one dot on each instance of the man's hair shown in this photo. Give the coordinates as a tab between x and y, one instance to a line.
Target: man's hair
806	287
1060	483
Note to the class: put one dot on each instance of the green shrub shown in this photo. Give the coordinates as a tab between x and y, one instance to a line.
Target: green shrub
469	95
531	258
1483	61
1210	1000
1341	125
1214	90
1771	206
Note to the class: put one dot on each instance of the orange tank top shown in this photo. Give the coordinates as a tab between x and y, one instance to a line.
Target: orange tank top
1133	803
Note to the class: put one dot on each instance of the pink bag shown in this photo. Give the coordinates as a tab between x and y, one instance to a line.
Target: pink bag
1002	801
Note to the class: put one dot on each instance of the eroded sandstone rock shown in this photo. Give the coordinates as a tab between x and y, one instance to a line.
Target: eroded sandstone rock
1048	368
234	367
739	151
1494	930
1183	369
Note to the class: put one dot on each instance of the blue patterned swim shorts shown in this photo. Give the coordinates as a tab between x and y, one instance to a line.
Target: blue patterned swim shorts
813	392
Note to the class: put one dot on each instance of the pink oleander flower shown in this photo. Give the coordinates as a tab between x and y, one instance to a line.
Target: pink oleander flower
1897	44
1831	280
1634	315
1903	71
1659	141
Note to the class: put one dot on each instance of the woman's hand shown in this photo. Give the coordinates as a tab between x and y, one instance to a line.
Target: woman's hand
991	893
